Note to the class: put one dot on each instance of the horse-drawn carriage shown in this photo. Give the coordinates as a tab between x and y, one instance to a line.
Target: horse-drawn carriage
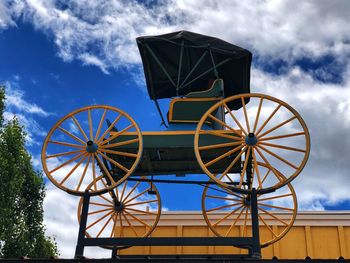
244	142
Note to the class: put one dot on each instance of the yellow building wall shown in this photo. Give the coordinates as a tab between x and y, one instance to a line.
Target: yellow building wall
318	236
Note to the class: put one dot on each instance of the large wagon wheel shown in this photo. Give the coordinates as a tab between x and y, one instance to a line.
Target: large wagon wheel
132	209
79	147
268	131
228	213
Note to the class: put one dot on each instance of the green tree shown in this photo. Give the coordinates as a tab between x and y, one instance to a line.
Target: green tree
22	232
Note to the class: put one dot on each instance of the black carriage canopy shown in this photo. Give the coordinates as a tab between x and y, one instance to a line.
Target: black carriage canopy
182	62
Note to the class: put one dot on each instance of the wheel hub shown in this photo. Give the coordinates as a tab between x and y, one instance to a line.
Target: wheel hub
246	201
251	139
91	147
118	206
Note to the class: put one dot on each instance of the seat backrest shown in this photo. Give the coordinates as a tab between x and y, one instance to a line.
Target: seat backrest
215	90
194	105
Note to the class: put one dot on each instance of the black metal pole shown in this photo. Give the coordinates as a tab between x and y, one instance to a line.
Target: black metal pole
255	251
114	252
79	250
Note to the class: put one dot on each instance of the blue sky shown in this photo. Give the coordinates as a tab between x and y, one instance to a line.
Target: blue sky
57	56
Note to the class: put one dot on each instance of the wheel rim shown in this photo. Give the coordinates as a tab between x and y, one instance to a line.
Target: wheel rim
228	213
129	210
269	131
77	149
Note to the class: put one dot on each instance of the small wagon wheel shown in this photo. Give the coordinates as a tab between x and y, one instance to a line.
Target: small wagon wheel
228	213
79	147
268	131
132	209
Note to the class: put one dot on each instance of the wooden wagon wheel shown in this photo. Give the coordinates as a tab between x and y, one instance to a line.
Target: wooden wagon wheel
132	209
79	147
228	213
268	131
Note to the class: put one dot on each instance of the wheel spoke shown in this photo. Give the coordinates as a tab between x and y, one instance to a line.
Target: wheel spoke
282	147
63	154
116	134
244	167
245	222
223	124
114	225
137	219
235	221
100	125
123	191
232	163
227	216
231	193
273	216
264	178
268	227
104	226
67	162
235	119
223	156
132	227
71	135
223	198
220	145
221	207
120	143
268	119
140	211
245	114
275	206
79	127
275	197
136	196
119	153
109	128
258	115
256	167
282	136
132	190
114	162
100	219
104	169
74	168
278	157
144	202
90	125
277	126
220	133
121	225
84	173
67	144
99	204
100	211
106	199
94	172
269	165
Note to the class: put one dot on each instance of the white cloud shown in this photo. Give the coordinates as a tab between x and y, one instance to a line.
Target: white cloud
5	16
15	99
18	107
103	33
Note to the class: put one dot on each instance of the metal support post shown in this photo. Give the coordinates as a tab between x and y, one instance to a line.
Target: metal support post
255	250
79	250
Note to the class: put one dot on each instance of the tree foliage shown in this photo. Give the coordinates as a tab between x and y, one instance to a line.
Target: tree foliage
22	192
